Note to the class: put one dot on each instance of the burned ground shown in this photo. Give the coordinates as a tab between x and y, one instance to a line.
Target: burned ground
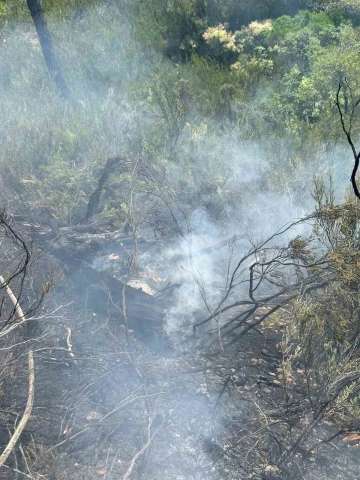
116	400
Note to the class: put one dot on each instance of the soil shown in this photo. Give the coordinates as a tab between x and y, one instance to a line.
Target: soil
115	403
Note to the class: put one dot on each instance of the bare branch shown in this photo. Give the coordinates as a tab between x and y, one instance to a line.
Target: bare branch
139	453
29	405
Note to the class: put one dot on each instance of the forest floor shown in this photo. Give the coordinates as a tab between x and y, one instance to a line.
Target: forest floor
107	406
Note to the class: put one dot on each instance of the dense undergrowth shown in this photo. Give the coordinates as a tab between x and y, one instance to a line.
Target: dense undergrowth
221	101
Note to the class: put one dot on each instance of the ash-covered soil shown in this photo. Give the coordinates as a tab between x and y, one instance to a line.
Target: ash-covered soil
109	405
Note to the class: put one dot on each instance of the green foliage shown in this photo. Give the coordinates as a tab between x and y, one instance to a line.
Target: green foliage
271	81
325	328
173	27
221	44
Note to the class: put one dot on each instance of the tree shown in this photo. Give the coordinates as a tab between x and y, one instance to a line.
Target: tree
348	129
47	47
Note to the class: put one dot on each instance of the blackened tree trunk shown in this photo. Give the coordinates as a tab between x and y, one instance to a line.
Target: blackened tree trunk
47	47
110	167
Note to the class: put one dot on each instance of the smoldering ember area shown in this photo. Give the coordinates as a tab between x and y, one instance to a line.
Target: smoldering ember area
179	240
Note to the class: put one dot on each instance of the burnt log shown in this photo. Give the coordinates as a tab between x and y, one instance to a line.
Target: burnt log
103	294
79	258
141	312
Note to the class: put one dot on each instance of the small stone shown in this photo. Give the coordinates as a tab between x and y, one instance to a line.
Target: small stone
267	391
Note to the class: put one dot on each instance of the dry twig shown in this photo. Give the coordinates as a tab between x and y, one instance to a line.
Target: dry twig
139	453
30	400
29	405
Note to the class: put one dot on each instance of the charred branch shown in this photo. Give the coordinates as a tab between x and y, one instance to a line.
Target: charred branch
284	275
110	167
348	128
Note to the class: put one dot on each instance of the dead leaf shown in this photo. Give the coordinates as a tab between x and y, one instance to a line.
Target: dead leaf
353	437
94	417
113	256
101	471
272	470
